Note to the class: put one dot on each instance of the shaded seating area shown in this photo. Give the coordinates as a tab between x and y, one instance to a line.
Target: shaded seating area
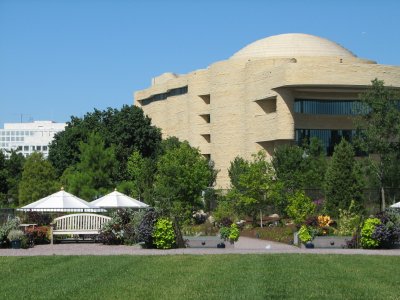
78	224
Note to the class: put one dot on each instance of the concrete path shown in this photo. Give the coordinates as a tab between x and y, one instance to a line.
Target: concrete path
245	245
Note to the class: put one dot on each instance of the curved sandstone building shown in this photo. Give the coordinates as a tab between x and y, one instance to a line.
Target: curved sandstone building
277	90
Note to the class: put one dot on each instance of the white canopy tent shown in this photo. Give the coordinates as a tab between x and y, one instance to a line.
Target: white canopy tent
396	205
118	200
61	202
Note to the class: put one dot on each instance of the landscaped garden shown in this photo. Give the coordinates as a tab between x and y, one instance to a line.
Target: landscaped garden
200	277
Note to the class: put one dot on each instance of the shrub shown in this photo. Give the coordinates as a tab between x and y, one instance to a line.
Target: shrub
230	233
146	228
163	234
38	234
15	235
367	241
234	233
300	207
388	232
349	221
304	234
5	229
38	218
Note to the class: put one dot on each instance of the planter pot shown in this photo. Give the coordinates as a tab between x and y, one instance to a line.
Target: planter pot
16	244
338	242
309	245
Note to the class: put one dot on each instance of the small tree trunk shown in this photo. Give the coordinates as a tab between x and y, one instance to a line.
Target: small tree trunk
383	203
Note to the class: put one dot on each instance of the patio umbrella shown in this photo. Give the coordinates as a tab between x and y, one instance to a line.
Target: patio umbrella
118	200
396	205
59	202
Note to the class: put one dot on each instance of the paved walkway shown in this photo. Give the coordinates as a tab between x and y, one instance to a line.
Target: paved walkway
245	245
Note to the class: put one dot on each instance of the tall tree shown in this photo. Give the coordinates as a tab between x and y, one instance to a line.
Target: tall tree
93	175
182	174
255	185
38	179
128	129
343	182
3	180
378	127
14	167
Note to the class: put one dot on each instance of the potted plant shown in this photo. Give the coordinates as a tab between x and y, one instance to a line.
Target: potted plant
15	236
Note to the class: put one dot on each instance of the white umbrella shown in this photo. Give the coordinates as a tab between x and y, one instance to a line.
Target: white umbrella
60	201
396	205
117	199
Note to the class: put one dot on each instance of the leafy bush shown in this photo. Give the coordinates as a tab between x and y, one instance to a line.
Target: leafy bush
5	229
146	228
112	232
41	219
349	220
38	234
367	241
234	233
230	233
304	234
300	207
388	232
15	235
163	234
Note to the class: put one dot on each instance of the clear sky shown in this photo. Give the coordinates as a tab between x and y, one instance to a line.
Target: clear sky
62	58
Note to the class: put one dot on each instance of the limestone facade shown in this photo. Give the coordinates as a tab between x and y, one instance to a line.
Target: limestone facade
244	104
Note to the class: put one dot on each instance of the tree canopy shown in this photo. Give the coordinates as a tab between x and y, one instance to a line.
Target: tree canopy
128	129
38	179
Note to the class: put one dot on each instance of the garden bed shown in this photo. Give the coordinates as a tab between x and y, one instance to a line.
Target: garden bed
281	234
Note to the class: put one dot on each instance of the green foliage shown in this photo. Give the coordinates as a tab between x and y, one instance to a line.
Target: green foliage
348	221
378	128
15	235
343	180
238	167
128	129
367	231
38	179
225	209
6	228
300	207
253	186
300	167
182	174
163	234
14	167
94	172
304	234
142	172
234	233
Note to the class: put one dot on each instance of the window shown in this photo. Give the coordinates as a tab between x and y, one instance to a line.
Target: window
327	107
44	148
329	137
26	148
38	148
157	97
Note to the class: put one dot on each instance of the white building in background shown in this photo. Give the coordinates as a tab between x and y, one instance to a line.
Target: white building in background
27	138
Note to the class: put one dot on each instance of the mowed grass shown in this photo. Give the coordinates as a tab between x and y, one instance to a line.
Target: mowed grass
280	276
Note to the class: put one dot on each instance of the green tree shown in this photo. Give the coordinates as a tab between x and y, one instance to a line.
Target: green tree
300	207
238	167
343	181
254	186
300	167
14	167
127	129
182	174
3	180
378	127
93	175
141	173
38	179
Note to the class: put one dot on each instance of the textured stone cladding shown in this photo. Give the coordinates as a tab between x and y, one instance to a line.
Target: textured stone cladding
250	102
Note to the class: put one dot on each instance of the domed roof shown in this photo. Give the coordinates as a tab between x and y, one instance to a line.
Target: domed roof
292	45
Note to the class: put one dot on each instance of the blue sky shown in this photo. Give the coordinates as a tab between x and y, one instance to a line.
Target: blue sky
64	58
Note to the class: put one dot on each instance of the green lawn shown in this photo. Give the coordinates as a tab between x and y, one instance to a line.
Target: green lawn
280	276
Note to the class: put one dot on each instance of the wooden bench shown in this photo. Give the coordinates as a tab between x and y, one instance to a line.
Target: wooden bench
78	224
